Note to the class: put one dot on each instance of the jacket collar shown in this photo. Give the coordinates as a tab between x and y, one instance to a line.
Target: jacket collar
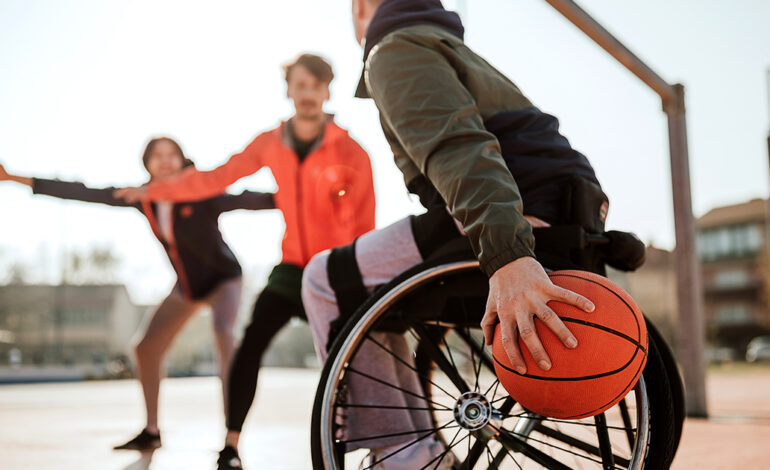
392	15
330	133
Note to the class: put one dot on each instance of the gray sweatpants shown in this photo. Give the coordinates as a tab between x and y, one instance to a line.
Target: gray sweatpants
382	255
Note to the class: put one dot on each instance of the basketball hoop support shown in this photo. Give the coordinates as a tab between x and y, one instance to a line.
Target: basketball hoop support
691	325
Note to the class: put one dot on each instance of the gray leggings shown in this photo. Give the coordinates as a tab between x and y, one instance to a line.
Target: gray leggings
381	255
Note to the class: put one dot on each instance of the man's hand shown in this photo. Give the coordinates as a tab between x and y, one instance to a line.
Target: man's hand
518	292
131	195
4	176
535	222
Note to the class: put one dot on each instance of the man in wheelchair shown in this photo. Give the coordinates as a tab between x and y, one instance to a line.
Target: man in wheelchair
490	168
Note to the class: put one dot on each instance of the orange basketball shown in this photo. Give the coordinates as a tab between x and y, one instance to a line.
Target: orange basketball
600	371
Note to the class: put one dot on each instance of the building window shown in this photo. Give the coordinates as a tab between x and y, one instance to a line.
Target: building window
735	241
735	278
84	317
734	315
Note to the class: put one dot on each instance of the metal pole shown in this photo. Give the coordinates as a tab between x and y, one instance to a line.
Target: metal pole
691	325
615	48
768	107
766	235
765	263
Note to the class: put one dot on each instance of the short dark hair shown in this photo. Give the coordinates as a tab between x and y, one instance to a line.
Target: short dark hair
319	67
155	140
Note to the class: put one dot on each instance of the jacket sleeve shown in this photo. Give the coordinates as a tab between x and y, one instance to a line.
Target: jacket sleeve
436	121
77	192
365	200
248	200
196	185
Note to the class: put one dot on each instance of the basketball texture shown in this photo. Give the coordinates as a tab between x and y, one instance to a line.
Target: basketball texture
600	371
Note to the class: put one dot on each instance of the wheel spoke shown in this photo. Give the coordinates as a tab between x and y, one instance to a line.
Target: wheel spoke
627	422
402	433
426	344
494	385
393	407
471	344
501	455
467	464
554	420
475	372
474	346
530	438
475	452
408	392
406	446
507	405
577	443
516	444
402	361
448	449
443	340
608	462
494	392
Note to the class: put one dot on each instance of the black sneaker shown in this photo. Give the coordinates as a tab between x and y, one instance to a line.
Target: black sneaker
143	441
229	459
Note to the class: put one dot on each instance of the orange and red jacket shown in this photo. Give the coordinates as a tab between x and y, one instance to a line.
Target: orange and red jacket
327	200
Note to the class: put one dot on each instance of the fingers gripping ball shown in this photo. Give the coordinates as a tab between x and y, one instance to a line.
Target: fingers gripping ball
605	366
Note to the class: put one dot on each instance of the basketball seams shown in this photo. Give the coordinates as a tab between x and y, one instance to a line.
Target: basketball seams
622	394
604	328
637	347
630	309
570	379
638	330
640	344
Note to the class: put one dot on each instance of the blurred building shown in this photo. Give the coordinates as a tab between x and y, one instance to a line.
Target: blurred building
67	324
80	331
653	286
733	247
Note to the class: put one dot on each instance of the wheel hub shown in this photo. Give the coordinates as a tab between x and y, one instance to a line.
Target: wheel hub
472	411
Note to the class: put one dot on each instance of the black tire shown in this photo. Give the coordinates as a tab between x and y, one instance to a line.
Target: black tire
674	379
663	434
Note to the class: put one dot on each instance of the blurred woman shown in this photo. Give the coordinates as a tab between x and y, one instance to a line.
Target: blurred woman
208	274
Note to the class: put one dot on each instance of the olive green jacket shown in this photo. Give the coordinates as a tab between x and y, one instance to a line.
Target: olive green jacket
434	94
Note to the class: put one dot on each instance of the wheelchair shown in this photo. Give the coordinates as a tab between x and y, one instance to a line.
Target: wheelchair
435	309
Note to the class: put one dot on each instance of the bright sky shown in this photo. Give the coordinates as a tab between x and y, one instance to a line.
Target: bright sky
84	84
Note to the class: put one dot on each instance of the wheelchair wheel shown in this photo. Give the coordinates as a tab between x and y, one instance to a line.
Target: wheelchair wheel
433	312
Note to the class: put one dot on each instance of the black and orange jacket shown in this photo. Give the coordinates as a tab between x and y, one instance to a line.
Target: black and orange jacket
327	199
198	253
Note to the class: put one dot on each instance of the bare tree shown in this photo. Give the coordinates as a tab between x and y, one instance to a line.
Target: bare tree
97	266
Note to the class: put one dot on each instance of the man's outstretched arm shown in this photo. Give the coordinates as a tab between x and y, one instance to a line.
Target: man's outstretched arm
194	185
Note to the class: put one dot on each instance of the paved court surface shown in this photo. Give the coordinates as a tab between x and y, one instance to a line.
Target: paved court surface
737	436
73	426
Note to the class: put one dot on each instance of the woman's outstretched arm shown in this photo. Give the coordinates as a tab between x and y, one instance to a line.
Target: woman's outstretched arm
67	190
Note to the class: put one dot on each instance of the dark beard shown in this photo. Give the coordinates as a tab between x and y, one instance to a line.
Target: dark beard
308	116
